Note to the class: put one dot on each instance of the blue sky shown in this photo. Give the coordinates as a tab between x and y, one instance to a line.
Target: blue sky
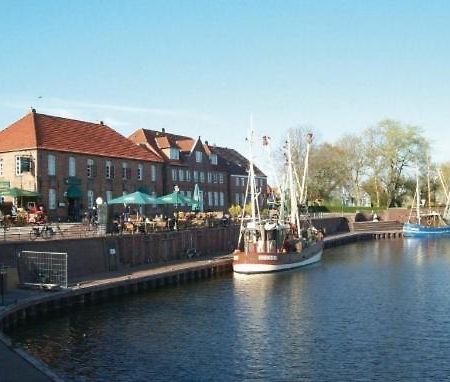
202	67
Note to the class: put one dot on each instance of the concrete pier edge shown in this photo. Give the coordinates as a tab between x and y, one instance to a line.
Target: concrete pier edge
135	281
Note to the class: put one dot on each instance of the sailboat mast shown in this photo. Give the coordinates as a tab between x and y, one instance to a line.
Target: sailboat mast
428	184
251	177
305	169
293	218
417	195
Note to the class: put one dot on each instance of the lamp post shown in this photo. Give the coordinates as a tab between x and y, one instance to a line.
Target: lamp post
176	190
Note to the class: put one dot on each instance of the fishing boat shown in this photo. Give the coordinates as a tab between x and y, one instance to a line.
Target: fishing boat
287	240
423	224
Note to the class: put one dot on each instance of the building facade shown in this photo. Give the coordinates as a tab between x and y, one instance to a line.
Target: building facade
71	164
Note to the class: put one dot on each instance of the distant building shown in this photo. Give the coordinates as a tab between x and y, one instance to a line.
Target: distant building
71	163
187	162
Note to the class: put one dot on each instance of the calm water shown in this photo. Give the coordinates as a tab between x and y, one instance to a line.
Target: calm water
369	311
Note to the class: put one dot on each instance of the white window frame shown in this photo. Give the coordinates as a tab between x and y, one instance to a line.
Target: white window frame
124	170
213	158
72	167
51	199
210	198
221	199
90	198
140	171
188	175
153	172
237	198
51	164
108	166
216	198
237	181
181	175
174	153
220	177
1	167
202	177
198	156
90	168
209	177
174	175
195	176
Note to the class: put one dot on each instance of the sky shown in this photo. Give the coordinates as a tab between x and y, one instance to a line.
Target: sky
202	68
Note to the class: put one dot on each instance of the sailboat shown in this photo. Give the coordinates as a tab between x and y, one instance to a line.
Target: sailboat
284	241
429	223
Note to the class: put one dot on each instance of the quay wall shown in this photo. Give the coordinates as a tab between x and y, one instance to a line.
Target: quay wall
90	256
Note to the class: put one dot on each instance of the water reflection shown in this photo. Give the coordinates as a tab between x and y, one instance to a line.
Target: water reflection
369	311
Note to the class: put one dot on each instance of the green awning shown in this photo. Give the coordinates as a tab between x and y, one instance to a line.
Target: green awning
18	192
73	192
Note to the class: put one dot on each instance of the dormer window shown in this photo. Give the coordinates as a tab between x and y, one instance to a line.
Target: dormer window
213	159
198	156
174	154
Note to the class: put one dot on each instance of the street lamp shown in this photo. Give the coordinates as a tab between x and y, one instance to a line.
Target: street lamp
176	189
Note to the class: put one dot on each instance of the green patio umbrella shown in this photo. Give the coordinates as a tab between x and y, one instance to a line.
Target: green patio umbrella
18	192
175	198
196	198
137	197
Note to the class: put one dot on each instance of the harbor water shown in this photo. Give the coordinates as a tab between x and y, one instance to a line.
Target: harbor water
376	310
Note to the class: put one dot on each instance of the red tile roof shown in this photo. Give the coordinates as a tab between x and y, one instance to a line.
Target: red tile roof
40	131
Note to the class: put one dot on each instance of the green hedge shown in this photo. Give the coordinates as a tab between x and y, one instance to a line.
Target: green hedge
341	209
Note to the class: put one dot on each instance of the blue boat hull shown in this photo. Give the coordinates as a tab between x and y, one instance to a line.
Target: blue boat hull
418	230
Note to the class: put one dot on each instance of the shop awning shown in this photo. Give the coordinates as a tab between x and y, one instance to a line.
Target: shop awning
73	192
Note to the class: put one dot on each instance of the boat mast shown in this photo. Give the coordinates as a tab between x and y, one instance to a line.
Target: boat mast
302	198
417	195
428	184
293	218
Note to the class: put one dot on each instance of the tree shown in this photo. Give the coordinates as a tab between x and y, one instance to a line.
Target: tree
354	163
392	147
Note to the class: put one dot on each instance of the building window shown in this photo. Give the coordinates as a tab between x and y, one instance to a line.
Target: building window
213	158
221	199
181	175
202	177
243	199
90	168
237	181
90	199
189	194
209	177
126	171
154	195
210	198
188	175
195	176
108	170
242	182
214	177
221	178
72	166
140	172
108	196
216	198
198	156
153	172
51	199
1	167
174	174
51	163
174	154
236	199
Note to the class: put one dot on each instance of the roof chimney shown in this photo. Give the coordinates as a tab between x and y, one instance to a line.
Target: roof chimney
101	123
206	143
33	110
163	130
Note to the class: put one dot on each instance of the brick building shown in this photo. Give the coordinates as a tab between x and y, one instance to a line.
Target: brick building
236	166
188	162
71	163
